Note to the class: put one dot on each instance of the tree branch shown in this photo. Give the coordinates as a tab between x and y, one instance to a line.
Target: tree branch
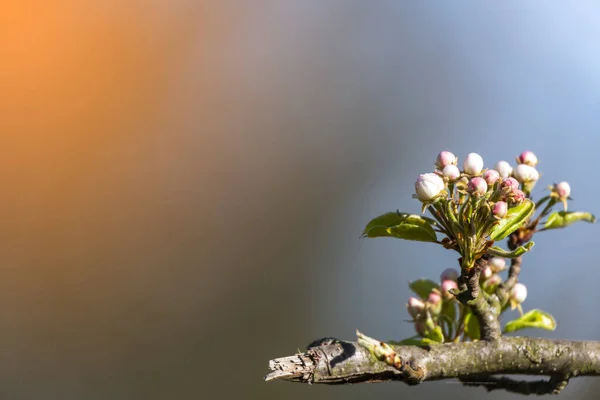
472	296
339	362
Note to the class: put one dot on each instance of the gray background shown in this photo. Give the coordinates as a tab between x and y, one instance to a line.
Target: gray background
185	182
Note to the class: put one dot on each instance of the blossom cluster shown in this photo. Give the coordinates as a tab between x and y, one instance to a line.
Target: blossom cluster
501	184
469	203
474	207
439	316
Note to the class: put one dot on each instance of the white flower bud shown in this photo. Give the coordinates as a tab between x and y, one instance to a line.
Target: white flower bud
451	172
486	272
563	189
504	169
526	174
473	164
497	264
429	186
415	307
518	293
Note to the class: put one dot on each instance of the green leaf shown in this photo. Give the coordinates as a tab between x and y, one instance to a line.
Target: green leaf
514	219
500	252
436	335
422	287
449	311
401	226
561	219
532	319
471	326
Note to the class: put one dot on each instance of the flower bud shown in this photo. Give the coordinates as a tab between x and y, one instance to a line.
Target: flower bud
477	187
527	158
486	272
491	176
415	307
451	172
509	185
526	173
449	274
516	197
445	158
434	298
491	283
473	164
562	189
447	285
434	301
500	209
504	169
497	264
518	293
429	186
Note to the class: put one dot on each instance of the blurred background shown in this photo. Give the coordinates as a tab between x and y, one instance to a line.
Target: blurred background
183	183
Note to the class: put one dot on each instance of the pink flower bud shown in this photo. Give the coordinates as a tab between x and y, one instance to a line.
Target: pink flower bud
491	176
448	284
527	158
451	172
526	173
500	209
563	189
509	185
497	264
477	187
415	307
473	164
429	186
504	169
434	298
445	158
516	197
518	293
449	274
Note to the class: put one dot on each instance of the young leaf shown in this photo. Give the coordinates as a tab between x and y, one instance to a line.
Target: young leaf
561	219
436	335
401	226
471	326
514	219
422	287
500	252
532	319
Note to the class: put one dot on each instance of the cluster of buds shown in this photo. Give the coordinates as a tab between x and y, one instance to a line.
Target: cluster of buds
428	314
469	203
474	207
434	313
489	278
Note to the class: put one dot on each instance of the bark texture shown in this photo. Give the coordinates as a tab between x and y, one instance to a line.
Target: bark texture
339	362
